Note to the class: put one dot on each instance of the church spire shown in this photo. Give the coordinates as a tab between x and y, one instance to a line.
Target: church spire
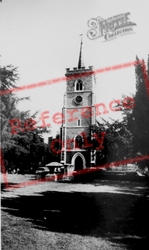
80	56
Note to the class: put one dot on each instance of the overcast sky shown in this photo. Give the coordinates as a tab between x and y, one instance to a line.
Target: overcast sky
41	38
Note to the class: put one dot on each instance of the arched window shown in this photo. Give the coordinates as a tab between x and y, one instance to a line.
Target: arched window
78	141
79	85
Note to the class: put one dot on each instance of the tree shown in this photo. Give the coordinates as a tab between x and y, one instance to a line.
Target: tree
16	146
116	144
138	120
140	115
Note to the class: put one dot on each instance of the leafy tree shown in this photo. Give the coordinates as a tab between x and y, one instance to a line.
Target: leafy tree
116	143
138	120
19	147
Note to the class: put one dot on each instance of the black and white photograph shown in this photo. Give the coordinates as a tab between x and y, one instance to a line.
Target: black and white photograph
74	110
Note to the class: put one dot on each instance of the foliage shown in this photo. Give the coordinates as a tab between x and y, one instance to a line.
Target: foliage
138	120
24	148
116	143
129	138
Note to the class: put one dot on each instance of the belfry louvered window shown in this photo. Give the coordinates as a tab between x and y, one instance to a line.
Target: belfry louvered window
79	85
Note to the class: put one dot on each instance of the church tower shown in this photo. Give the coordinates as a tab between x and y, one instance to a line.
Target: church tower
78	116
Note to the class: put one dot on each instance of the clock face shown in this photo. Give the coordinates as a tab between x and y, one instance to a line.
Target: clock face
78	99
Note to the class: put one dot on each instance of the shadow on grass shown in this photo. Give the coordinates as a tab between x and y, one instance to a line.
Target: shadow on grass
110	176
121	218
4	186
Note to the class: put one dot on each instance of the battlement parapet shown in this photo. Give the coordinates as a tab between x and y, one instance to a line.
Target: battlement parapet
75	70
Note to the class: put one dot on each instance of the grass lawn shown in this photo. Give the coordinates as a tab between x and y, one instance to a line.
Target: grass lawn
107	213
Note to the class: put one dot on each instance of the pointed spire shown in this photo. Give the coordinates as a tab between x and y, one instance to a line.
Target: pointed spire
80	56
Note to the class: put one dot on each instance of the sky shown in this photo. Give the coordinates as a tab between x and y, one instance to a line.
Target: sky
42	39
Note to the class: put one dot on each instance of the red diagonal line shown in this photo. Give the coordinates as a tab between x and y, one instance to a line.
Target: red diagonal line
3	170
60	79
84	171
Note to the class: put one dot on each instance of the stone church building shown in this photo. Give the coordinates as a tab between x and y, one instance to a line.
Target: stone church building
78	116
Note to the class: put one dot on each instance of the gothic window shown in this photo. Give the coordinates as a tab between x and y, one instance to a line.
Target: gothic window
79	85
78	141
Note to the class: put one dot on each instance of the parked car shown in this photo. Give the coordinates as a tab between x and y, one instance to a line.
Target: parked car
41	172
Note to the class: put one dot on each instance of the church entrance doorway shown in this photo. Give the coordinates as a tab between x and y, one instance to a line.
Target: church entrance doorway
78	163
